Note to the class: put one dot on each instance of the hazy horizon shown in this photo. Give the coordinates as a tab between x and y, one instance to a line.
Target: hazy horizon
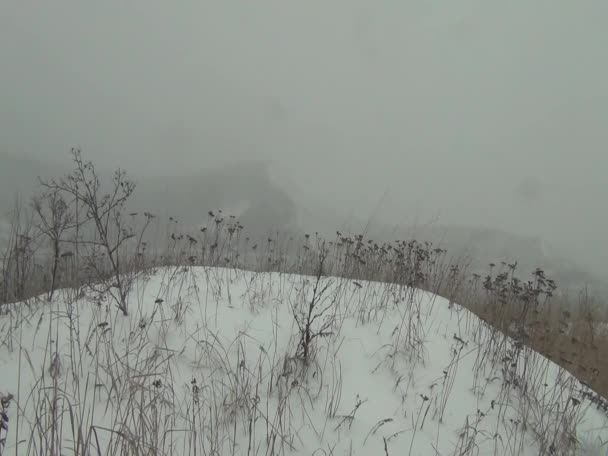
487	114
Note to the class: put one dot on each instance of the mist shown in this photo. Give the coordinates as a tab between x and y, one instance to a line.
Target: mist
475	113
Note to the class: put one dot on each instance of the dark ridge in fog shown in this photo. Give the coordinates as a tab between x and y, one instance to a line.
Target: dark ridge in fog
244	190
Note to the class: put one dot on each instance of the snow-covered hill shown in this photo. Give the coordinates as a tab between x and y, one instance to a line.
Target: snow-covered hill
215	361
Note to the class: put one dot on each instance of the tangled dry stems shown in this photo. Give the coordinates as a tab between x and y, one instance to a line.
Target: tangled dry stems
146	412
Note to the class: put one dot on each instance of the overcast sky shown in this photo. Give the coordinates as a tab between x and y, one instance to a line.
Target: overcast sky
479	112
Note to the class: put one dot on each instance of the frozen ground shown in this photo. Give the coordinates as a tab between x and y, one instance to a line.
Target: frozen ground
220	362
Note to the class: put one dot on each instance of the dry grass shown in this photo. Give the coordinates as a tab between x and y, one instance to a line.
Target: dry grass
142	400
147	413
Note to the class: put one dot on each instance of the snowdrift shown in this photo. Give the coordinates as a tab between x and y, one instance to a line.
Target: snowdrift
214	361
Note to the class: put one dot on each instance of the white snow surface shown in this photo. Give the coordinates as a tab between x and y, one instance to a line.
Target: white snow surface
215	369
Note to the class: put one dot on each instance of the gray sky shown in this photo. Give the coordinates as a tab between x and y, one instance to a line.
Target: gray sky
480	112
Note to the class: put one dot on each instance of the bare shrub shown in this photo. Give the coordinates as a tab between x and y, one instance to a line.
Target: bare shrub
105	210
54	219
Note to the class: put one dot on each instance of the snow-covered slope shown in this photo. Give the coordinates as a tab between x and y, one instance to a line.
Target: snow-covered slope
215	361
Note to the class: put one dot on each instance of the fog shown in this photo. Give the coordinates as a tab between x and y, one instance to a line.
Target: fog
478	113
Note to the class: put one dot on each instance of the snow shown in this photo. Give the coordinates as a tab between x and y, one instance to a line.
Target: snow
208	362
